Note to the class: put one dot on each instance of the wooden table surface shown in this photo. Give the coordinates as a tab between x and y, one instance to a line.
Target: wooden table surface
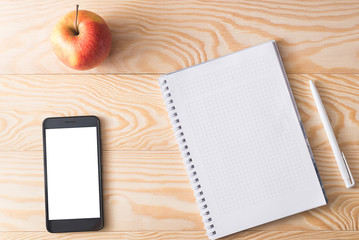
146	192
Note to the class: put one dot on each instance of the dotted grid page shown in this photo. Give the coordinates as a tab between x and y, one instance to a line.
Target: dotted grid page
245	140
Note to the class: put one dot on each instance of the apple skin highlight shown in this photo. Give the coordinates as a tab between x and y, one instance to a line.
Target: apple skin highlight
87	48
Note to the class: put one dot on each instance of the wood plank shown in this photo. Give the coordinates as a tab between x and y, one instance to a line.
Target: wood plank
161	36
149	191
340	95
172	235
133	114
169	235
131	109
142	190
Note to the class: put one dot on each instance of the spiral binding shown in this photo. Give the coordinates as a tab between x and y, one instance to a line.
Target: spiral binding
192	174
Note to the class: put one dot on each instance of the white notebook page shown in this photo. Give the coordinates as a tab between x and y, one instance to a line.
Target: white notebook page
245	139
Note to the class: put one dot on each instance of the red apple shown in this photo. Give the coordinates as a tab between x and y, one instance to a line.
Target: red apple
81	39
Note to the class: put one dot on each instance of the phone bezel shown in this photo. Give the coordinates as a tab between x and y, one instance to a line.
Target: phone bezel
73	225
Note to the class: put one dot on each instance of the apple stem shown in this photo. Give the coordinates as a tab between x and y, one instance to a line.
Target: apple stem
77	12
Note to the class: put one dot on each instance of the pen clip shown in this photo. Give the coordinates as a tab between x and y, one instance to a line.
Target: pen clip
352	182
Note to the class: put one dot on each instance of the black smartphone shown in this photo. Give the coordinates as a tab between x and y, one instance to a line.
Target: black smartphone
72	166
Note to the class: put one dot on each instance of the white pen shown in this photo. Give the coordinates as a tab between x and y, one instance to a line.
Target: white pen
339	156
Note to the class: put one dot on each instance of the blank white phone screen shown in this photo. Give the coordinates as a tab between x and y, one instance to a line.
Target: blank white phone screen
72	173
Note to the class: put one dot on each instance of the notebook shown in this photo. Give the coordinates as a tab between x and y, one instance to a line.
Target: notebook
242	140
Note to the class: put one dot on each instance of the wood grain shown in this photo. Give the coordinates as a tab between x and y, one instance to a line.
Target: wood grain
133	114
180	235
146	191
163	36
131	109
149	191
